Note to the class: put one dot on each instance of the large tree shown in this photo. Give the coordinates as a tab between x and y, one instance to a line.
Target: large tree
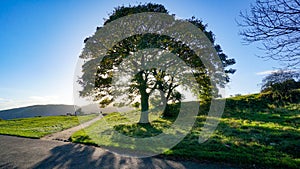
130	56
276	24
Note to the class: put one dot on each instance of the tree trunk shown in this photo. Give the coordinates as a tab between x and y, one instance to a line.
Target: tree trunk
145	108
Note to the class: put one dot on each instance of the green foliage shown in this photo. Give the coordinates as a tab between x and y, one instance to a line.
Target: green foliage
105	101
281	80
283	98
145	82
40	126
262	100
281	86
122	11
136	104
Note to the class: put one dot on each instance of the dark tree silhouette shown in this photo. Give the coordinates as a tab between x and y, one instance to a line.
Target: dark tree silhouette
282	86
279	78
145	81
276	24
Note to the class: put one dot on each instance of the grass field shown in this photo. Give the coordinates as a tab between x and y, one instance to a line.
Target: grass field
251	134
40	126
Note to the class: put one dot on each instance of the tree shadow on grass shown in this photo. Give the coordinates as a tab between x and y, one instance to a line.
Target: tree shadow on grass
137	130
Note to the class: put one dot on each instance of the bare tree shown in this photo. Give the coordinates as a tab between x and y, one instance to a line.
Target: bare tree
275	23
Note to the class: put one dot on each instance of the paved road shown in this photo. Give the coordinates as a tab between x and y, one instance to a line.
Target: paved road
66	134
16	152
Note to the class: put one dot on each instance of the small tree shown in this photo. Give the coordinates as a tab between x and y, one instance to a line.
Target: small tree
281	85
280	77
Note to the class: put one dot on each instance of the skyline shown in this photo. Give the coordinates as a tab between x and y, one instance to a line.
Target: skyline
41	42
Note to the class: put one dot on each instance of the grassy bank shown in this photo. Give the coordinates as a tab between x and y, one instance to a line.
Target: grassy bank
39	126
251	134
266	138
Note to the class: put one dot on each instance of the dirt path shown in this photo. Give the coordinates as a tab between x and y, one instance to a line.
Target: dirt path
26	153
66	134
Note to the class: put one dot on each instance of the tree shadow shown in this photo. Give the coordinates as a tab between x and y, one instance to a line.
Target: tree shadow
80	156
138	130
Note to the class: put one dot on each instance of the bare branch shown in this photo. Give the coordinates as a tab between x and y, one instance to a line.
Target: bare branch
276	24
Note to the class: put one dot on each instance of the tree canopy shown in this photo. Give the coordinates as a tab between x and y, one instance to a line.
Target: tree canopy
283	80
282	86
148	63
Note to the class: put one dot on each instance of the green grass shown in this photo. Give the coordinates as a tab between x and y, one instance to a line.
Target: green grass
101	132
251	134
268	139
40	126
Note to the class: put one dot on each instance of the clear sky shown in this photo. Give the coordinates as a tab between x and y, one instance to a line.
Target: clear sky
41	41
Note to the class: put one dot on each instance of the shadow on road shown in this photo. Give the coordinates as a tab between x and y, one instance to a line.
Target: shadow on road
79	156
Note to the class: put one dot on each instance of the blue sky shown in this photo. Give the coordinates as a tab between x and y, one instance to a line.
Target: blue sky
41	40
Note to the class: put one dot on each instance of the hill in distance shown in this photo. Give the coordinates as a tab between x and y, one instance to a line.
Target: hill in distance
55	110
37	110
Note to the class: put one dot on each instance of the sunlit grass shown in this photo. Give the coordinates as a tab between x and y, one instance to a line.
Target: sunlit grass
251	138
39	126
256	139
105	131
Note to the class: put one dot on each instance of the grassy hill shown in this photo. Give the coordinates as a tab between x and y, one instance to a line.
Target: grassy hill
253	133
55	110
37	110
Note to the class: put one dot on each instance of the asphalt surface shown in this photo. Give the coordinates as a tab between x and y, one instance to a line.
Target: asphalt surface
17	152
